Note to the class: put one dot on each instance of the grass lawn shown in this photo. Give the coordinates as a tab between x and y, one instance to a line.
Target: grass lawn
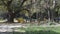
40	30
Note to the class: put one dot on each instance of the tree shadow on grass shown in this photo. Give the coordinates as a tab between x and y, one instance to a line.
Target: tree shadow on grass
31	32
42	32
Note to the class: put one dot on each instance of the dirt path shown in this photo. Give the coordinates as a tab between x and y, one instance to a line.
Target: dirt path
9	27
4	27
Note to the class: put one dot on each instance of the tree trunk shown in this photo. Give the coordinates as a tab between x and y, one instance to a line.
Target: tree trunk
10	11
11	15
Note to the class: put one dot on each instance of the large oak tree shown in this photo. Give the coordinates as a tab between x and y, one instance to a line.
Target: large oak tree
11	12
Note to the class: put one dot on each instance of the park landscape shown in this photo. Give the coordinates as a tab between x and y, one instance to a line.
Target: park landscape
29	16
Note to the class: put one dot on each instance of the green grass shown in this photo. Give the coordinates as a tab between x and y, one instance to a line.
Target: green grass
41	30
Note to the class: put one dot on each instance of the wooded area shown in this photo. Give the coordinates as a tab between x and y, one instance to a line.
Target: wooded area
41	10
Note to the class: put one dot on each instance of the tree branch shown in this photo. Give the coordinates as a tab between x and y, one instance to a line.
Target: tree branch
20	7
3	2
22	3
9	2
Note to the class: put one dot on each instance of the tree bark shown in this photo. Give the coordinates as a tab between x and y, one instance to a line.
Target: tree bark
10	12
11	15
10	19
